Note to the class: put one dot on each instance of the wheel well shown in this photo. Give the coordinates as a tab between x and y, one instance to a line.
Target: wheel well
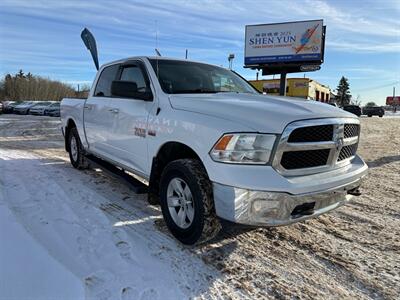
168	152
70	124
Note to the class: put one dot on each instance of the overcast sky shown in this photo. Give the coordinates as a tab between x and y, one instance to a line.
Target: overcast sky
43	37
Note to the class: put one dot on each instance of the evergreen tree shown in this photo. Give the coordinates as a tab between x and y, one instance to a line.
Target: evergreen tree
371	104
20	74
343	92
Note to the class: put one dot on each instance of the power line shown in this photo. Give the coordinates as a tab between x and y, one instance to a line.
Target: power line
378	87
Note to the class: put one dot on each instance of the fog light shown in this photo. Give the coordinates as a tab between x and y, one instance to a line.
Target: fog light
262	205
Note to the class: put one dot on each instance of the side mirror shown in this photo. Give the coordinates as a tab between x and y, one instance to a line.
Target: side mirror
128	89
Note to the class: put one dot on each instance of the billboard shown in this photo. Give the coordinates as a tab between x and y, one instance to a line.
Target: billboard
294	42
393	100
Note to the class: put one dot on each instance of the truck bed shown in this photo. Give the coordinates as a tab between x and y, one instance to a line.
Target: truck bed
72	108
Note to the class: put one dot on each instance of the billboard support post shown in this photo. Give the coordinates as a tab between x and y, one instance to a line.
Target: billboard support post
282	85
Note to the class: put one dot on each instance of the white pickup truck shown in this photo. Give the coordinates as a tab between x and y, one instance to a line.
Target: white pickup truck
210	146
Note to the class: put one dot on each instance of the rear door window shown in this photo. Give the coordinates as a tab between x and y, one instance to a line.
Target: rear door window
103	87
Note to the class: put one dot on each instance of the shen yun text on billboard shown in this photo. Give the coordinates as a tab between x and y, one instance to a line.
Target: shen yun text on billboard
284	42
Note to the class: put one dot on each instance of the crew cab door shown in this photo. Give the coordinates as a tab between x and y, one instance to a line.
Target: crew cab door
130	117
98	119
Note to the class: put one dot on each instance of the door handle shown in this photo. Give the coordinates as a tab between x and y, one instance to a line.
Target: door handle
114	110
88	107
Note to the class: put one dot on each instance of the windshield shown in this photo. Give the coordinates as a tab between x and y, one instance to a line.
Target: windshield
184	77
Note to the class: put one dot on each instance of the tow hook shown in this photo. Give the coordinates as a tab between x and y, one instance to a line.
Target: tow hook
355	192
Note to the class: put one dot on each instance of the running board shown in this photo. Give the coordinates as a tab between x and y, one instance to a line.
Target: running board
137	186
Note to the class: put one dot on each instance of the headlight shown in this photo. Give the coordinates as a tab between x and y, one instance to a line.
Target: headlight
244	148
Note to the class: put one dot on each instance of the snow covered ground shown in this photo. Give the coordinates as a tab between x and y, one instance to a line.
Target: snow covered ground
82	234
392	114
69	234
26	267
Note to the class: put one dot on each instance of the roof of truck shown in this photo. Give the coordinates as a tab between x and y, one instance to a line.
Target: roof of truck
151	57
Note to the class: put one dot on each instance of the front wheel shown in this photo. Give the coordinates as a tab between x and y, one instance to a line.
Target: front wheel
187	202
76	151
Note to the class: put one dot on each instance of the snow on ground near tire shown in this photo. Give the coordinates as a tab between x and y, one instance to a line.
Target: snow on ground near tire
117	246
95	227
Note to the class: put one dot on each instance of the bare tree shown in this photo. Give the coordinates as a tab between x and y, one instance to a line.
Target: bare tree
23	86
356	101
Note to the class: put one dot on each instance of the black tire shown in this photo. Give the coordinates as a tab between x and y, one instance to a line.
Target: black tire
205	224
369	116
380	116
80	161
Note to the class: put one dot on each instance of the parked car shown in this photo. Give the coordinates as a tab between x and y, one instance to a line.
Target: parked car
24	107
354	109
211	146
53	110
1	107
8	106
373	111
39	107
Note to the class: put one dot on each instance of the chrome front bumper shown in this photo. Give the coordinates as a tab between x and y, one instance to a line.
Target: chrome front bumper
264	208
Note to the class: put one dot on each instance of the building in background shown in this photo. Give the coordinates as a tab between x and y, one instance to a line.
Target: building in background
295	87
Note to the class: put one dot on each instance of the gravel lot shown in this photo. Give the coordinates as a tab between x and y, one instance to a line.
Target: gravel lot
353	252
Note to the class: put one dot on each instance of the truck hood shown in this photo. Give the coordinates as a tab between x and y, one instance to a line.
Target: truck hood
261	113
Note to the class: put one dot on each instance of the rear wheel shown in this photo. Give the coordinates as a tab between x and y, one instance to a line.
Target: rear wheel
369	116
380	116
187	202
76	151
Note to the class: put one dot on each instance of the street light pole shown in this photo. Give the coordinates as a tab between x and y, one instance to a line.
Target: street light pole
230	59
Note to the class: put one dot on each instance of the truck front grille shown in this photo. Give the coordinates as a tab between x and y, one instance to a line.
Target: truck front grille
313	146
351	130
304	159
347	152
311	134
